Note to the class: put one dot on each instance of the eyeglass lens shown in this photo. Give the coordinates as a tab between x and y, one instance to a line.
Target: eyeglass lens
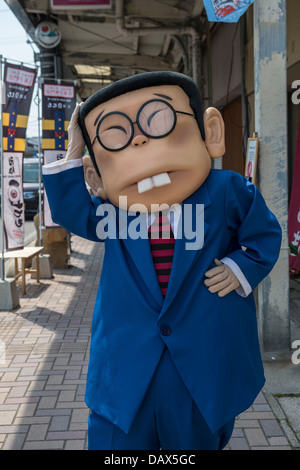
115	131
155	119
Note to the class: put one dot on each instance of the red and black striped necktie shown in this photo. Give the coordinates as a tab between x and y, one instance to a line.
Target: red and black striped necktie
162	243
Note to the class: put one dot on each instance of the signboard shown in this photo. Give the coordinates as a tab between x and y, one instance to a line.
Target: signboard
227	11
48	34
58	104
19	83
13	199
251	158
79	4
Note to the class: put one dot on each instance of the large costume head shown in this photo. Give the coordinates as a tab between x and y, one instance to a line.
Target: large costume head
149	139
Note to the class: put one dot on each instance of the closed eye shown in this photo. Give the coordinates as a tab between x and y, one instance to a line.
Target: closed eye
120	128
152	116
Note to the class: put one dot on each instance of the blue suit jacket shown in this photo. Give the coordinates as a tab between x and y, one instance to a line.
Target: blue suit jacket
213	341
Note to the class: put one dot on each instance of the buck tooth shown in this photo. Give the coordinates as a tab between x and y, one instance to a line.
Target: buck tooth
145	185
161	179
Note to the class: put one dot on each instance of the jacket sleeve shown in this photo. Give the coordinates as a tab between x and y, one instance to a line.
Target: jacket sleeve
70	203
256	228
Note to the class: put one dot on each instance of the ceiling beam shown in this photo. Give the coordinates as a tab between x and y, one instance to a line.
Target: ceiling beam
90	76
129	61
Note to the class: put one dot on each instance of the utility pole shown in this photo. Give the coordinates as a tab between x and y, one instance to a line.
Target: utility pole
270	86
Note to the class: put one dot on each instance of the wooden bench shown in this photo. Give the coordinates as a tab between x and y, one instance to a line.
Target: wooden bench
25	254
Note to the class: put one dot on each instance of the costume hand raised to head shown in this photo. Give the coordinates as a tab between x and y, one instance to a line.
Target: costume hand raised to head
76	142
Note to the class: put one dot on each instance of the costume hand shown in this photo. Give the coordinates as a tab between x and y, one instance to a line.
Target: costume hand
76	143
221	279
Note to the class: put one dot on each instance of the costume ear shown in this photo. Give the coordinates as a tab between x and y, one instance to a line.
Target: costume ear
93	180
214	132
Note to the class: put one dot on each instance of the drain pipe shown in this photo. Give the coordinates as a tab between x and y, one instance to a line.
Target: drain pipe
133	31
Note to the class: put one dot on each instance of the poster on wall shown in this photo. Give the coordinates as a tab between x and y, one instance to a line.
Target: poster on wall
294	214
251	158
226	11
58	104
19	84
13	200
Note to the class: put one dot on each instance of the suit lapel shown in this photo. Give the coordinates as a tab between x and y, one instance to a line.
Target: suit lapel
192	218
140	251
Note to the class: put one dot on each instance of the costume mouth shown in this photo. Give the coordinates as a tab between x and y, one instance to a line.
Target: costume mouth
153	182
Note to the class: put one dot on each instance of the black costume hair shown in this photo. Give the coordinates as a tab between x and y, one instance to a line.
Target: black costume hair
136	82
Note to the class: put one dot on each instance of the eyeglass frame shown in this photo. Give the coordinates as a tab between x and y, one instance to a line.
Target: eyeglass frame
138	124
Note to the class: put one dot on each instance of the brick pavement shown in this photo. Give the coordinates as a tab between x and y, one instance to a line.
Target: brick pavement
43	373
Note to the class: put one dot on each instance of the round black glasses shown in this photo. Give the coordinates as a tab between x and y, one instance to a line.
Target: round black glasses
155	119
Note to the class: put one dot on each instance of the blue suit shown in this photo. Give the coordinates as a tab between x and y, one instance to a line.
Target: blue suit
213	341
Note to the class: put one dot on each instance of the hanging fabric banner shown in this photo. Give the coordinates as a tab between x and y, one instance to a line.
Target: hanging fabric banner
18	89
13	200
19	83
226	11
58	104
50	156
294	212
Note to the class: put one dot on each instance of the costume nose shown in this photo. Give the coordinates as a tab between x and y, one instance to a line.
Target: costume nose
139	140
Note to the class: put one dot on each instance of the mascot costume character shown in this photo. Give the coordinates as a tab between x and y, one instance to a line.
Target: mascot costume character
174	354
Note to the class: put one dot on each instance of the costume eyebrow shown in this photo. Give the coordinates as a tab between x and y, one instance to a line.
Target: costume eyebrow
163	96
98	117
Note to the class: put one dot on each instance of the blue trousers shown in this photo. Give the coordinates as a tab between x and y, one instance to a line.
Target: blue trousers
168	419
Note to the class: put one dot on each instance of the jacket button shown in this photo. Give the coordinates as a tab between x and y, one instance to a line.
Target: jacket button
165	330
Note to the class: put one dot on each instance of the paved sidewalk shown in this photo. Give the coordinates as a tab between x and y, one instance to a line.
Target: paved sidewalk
42	380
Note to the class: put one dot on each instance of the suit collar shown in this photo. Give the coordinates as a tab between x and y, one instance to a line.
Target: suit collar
140	251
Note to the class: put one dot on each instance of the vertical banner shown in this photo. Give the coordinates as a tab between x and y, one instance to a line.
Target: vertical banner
50	156
58	104
13	199
294	211
18	85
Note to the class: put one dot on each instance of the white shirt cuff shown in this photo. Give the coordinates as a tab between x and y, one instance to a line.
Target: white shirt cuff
61	165
244	289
